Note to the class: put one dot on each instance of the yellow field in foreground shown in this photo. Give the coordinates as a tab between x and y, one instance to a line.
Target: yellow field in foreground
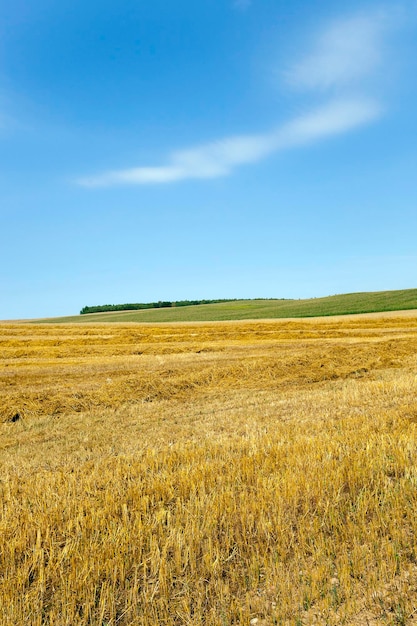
209	474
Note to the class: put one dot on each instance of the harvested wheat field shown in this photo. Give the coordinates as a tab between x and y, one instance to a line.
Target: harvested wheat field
209	474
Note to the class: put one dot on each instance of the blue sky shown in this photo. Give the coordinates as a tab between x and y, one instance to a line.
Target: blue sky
237	148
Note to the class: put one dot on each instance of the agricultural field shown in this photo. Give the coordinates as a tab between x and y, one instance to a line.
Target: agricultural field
209	474
343	304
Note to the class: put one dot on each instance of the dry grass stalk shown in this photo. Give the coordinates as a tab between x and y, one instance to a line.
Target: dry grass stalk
209	474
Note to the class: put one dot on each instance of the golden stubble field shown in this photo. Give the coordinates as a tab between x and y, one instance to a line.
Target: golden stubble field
209	474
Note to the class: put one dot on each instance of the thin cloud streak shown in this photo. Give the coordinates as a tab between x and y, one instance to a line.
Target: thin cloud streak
220	158
345	54
347	51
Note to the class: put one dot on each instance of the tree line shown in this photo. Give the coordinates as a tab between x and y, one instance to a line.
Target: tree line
103	308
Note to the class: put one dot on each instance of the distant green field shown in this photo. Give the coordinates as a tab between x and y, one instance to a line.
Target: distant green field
344	304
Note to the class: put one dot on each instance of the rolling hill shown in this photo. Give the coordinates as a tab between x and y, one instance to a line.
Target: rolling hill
351	303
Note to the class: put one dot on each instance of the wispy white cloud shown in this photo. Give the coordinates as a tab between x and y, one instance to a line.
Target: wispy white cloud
334	118
345	52
221	157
